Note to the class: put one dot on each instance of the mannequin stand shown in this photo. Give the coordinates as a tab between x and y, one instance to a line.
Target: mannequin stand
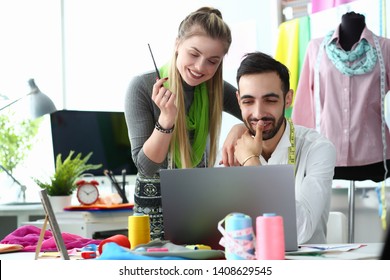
374	172
351	212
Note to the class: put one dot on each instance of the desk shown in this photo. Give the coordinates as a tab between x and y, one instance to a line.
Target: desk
13	216
87	223
371	251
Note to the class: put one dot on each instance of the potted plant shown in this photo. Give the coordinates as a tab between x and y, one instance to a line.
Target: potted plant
67	172
16	140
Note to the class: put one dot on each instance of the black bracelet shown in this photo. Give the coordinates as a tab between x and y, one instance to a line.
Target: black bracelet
163	130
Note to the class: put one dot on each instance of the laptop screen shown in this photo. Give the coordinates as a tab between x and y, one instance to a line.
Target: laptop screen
195	200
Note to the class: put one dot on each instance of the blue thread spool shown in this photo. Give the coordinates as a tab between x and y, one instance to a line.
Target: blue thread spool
234	222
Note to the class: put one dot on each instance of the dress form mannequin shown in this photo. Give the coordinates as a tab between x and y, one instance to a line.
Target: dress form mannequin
343	99
351	28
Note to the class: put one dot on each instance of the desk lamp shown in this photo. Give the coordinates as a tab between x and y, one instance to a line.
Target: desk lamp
40	104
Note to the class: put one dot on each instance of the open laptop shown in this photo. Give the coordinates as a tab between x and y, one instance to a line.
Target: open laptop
195	200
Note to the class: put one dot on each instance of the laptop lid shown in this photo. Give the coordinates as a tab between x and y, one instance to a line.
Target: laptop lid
195	200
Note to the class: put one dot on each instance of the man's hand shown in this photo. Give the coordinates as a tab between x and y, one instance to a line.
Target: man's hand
249	145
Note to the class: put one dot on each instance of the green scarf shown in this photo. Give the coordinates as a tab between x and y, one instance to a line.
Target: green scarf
197	121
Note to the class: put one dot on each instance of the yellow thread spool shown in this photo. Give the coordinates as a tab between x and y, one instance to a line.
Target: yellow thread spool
139	230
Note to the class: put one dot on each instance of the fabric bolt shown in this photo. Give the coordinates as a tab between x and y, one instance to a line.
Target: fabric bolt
350	104
293	37
320	5
315	159
287	51
28	236
304	39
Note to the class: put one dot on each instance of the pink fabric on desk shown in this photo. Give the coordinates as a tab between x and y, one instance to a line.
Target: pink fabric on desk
28	237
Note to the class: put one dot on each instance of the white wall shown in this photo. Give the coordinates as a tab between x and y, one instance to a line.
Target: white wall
106	43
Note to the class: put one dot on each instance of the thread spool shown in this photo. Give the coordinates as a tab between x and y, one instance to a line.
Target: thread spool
139	230
239	227
270	237
119	239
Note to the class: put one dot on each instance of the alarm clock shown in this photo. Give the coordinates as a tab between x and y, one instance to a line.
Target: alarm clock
87	192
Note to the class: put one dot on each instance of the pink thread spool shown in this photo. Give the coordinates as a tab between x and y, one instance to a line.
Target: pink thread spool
270	237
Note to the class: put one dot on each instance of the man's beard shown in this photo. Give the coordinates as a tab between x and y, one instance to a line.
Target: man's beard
274	126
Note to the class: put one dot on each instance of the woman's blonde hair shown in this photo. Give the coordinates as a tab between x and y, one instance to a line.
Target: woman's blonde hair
204	21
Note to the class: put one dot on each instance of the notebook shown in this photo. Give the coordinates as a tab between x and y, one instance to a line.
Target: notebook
195	200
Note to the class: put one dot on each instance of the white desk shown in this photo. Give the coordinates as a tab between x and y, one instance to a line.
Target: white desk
23	212
86	223
13	216
370	252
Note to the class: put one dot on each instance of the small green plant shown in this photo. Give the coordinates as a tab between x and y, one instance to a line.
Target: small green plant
66	174
16	140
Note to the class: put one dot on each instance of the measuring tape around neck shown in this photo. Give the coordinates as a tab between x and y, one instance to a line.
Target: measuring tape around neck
291	149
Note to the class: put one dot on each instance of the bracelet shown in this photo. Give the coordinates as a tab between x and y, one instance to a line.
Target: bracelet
163	130
248	158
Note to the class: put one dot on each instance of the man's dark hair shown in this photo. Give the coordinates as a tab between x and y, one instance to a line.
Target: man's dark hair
258	62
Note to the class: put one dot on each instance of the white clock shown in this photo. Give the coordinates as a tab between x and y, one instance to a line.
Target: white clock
87	192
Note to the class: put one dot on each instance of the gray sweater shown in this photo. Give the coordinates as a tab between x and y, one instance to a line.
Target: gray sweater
142	113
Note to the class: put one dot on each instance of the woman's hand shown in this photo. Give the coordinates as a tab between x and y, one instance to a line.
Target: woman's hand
228	147
165	100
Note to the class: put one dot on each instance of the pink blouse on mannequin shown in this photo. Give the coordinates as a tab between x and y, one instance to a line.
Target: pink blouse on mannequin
350	105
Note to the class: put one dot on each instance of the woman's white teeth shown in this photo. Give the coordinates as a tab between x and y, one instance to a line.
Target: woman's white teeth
195	74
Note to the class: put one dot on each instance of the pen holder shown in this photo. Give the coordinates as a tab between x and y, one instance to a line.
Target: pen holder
119	239
139	230
270	237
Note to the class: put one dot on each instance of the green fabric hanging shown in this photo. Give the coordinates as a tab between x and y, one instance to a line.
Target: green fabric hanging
197	121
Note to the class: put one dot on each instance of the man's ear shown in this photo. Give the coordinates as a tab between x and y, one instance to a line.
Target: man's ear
238	97
289	98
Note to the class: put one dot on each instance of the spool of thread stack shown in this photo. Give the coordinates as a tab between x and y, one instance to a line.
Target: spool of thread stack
270	237
119	239
139	230
239	242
